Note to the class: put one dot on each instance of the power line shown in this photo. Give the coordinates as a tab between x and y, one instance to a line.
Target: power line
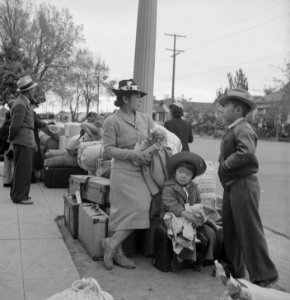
245	17
175	53
238	32
230	66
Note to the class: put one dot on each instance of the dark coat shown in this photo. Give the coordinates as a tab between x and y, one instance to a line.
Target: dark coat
174	197
4	132
22	123
182	129
237	157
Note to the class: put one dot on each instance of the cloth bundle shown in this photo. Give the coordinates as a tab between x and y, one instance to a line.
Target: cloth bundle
59	158
84	289
242	289
88	154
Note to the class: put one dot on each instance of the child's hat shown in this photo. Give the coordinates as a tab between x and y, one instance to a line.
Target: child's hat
238	94
190	158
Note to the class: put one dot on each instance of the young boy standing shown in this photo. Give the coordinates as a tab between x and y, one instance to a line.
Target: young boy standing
244	240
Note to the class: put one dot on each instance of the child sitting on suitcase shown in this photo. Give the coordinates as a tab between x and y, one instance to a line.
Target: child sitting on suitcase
193	239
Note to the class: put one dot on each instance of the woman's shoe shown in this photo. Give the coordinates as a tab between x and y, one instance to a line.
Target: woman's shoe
109	252
123	261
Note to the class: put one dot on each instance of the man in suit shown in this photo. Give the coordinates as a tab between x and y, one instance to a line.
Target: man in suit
21	135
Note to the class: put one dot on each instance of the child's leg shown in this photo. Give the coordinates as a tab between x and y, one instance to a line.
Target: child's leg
244	198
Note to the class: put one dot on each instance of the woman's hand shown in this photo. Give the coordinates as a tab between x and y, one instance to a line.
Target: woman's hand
142	158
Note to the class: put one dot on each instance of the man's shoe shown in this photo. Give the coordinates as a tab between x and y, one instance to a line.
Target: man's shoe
6	184
28	201
109	252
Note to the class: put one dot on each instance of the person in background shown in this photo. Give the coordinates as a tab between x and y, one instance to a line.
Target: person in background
8	149
180	127
21	135
244	240
130	197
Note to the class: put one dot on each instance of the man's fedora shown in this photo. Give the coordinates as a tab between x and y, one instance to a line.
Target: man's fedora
25	83
128	87
190	158
238	94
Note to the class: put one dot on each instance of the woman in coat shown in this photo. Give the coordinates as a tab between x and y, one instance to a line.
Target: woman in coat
178	126
129	195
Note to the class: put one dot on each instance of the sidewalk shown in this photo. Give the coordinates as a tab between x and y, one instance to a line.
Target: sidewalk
35	263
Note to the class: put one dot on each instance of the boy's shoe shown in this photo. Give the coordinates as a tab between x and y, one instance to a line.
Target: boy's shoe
176	266
266	283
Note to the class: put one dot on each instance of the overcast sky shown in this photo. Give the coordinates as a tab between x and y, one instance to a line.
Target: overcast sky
221	36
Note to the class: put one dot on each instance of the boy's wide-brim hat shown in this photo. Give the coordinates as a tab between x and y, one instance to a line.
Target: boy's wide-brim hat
189	158
238	94
25	83
128	87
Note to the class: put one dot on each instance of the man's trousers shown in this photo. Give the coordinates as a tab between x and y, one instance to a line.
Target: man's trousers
244	238
23	160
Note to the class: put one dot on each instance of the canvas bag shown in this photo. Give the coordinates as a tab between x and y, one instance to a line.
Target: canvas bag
84	289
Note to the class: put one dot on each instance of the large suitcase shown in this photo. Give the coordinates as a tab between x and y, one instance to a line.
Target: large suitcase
93	227
146	237
96	189
163	252
59	177
71	214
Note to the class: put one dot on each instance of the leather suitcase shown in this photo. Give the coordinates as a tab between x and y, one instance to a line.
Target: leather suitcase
96	189
71	214
93	227
163	252
59	177
75	182
147	236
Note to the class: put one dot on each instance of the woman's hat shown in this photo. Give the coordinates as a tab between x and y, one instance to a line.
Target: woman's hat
176	104
128	87
25	83
238	94
188	158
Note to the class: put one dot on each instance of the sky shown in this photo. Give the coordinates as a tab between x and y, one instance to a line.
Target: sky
221	36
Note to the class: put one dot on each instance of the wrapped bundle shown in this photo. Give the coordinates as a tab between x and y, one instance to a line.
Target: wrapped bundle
88	154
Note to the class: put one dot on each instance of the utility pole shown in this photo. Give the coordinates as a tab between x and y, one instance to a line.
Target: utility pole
175	53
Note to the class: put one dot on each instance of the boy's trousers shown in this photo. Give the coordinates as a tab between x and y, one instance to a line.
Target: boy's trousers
244	238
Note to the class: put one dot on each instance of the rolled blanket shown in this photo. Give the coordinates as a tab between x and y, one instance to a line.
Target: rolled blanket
65	160
88	154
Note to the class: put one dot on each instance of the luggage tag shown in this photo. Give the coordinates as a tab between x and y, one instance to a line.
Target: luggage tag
78	197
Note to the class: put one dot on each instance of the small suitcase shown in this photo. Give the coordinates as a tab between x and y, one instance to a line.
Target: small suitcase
147	236
71	214
93	227
163	252
96	189
75	182
59	177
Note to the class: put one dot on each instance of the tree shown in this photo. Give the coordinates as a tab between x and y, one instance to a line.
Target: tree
46	36
239	81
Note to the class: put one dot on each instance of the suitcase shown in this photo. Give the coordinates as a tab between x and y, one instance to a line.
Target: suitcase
146	238
130	243
75	182
71	214
96	189
163	252
93	227
59	177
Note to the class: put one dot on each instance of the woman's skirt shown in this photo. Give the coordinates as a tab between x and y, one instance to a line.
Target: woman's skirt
130	200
